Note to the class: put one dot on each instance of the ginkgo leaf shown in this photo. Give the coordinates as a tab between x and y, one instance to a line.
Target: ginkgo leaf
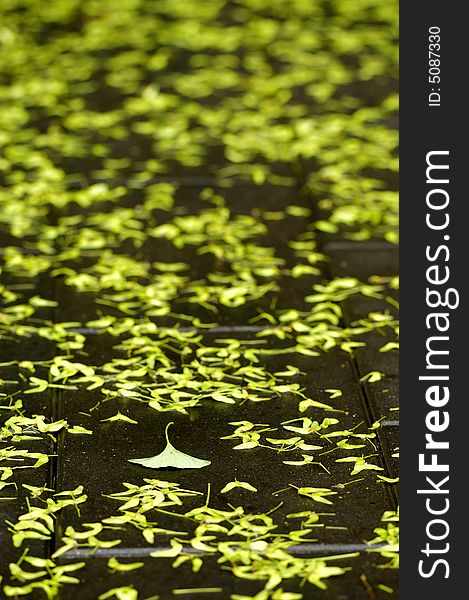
388	479
360	464
40	386
235	484
365	467
307	459
303	446
171	457
174	550
334	393
120	593
119	417
289	441
316	494
305	404
372	376
346	446
246	446
78	429
115	565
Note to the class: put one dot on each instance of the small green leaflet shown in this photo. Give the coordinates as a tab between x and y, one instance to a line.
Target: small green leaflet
114	565
360	464
119	417
40	386
78	429
316	494
388	479
305	404
171	457
173	551
121	593
372	376
238	484
385	588
334	393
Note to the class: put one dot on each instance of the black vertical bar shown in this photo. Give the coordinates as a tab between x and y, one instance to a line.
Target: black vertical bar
433	272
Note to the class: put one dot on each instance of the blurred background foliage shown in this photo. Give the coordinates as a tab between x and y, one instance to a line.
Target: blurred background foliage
277	91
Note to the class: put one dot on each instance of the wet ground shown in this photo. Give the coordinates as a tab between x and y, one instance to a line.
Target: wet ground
222	303
99	462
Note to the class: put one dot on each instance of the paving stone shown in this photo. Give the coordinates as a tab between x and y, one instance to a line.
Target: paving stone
383	397
362	259
14	498
256	202
83	307
12	509
157	577
135	158
389	438
369	357
13	381
100	462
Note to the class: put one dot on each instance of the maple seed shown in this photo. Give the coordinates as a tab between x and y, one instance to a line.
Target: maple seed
171	457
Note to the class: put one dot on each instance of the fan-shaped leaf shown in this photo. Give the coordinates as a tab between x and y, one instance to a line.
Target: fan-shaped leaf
171	457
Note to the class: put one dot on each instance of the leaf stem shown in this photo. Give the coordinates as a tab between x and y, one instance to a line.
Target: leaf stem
166	431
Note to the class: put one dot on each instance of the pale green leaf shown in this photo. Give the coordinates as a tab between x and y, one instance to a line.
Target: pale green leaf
171	457
238	484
